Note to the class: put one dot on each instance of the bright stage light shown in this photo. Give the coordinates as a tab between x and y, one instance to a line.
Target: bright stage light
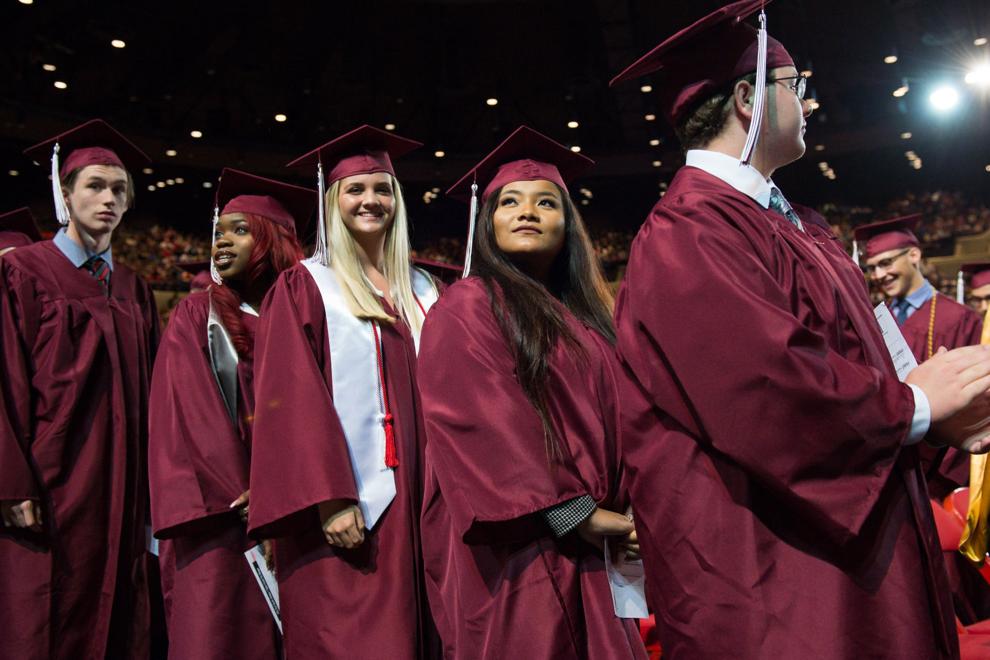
944	98
979	76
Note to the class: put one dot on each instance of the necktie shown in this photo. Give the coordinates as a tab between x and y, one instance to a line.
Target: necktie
780	205
99	269
901	311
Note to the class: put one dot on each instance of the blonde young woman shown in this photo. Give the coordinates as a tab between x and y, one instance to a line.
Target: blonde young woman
335	473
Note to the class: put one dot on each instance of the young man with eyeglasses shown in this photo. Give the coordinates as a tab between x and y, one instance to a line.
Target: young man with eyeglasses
774	475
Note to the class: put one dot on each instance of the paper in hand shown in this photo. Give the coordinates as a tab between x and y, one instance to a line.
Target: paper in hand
266	581
628	584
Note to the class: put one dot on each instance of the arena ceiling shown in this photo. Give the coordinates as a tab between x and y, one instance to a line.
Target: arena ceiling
226	69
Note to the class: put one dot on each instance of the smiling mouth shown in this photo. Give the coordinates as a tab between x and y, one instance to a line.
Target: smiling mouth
224	258
526	230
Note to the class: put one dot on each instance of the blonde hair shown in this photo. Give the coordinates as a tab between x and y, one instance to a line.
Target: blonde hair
357	289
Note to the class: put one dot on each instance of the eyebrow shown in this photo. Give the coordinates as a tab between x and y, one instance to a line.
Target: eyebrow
542	193
97	178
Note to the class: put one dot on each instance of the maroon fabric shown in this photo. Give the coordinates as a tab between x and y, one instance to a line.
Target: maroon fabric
14	239
283	203
979	271
705	56
500	584
21	223
94	142
888	235
364	150
778	513
76	367
199	463
363	603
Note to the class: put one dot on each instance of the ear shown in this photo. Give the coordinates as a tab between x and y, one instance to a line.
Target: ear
914	255
742	98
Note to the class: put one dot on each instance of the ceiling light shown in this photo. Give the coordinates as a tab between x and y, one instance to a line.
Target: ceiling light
389	127
657	163
160	184
980	41
147	170
646	89
207	184
823	166
280	118
13	172
48	67
576	149
179	179
650	117
979	76
901	91
655	142
27	2
906	135
118	43
171	153
491	101
584	202
807	73
196	134
439	153
819	147
152	188
890	59
170	182
944	98
60	84
572	124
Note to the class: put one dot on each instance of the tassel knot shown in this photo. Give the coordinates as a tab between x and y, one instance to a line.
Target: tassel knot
391	459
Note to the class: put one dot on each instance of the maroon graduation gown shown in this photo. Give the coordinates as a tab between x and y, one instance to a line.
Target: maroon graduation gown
74	393
198	464
779	513
500	584
367	602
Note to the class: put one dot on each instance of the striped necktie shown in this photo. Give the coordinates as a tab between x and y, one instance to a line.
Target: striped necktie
780	205
100	269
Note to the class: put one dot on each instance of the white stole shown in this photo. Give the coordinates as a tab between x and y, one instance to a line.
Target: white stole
223	361
355	380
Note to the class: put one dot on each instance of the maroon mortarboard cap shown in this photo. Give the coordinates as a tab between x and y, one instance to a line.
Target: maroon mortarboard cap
200	270
446	273
92	143
701	59
980	273
888	235
365	150
20	222
526	155
283	203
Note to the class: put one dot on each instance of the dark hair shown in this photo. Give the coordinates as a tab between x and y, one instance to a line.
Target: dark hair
70	182
708	119
275	249
528	312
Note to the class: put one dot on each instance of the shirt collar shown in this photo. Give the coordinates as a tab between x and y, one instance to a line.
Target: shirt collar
744	178
921	296
76	253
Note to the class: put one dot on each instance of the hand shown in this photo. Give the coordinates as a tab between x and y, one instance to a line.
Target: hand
627	547
952	379
343	524
603	523
241	504
25	514
968	429
268	550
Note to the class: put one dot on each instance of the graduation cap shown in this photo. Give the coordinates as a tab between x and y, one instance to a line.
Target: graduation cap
283	203
526	155
979	272
200	270
886	235
92	143
446	273
18	228
706	56
364	150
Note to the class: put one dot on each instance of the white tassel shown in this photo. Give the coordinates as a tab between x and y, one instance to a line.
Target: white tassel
214	273
753	136
472	216
856	251
61	210
960	288
321	254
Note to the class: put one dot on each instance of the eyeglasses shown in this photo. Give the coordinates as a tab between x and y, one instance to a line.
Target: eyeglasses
799	86
884	264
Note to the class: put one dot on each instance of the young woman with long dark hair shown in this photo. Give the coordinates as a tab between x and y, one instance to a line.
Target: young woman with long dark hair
336	470
522	415
202	409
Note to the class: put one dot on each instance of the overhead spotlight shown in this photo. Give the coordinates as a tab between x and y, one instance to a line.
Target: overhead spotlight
657	163
26	2
170	182
280	118
13	173
492	101
171	153
207	184
147	170
572	124
59	84
655	142
584	202
160	184
179	180
819	147
646	89
944	98
979	76
48	67
906	135
890	59
987	169
901	91
439	153
650	116
389	127
823	166
196	134
576	149
152	188
435	191
118	43
980	41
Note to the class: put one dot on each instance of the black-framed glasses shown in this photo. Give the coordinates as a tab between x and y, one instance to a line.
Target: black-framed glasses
799	86
884	263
